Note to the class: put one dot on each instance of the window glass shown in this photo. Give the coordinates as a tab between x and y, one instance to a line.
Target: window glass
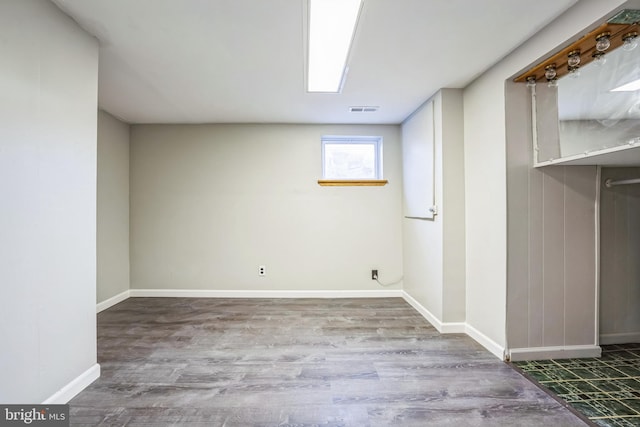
352	158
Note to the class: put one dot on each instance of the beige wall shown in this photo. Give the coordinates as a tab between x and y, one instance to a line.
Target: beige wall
620	258
49	85
113	207
210	203
434	248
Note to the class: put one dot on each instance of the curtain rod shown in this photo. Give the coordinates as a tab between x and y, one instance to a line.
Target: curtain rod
610	183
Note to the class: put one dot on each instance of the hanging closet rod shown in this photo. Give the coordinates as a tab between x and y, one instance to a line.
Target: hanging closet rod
610	183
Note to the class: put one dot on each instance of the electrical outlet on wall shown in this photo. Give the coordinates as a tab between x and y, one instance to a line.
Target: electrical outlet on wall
262	270
374	274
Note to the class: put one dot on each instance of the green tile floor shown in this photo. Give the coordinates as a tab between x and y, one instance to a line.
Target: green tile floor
606	390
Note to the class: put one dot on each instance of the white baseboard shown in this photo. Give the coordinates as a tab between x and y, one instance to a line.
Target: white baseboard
112	301
493	347
435	322
68	392
456	328
622	338
194	293
557	352
442	327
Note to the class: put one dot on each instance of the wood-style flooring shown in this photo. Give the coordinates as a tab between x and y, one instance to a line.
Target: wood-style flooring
298	362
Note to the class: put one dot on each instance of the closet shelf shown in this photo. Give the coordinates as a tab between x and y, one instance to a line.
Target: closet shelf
624	155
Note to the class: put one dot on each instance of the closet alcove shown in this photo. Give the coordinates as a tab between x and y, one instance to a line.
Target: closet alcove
573	156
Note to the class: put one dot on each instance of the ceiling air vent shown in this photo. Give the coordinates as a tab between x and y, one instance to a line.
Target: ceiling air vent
363	109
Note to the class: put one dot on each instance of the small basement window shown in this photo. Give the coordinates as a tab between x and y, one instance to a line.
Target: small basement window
351	160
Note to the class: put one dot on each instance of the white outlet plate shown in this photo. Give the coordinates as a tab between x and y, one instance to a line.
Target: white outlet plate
262	270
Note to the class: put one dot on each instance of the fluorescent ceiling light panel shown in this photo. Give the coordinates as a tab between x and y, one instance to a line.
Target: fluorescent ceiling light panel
629	87
331	27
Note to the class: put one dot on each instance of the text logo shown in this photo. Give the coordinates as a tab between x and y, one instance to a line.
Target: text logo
34	415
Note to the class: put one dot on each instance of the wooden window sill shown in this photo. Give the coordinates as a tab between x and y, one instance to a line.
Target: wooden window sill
352	182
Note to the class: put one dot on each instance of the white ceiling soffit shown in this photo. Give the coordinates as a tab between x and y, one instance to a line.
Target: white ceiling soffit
242	61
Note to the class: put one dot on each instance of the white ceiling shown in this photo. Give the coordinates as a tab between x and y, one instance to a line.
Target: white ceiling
242	61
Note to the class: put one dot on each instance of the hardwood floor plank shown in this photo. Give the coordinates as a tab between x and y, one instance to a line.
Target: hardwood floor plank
298	362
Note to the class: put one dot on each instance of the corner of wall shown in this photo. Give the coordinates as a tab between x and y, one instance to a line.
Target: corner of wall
113	261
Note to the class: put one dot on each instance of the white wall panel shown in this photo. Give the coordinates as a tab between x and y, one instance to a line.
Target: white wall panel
434	248
48	109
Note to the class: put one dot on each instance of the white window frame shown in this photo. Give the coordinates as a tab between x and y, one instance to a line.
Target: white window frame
376	141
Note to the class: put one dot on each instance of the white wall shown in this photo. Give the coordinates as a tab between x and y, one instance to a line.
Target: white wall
485	198
453	206
485	168
48	104
423	237
434	248
210	203
113	207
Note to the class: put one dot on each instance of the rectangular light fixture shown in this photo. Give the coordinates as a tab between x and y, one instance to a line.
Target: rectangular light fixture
629	87
332	25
